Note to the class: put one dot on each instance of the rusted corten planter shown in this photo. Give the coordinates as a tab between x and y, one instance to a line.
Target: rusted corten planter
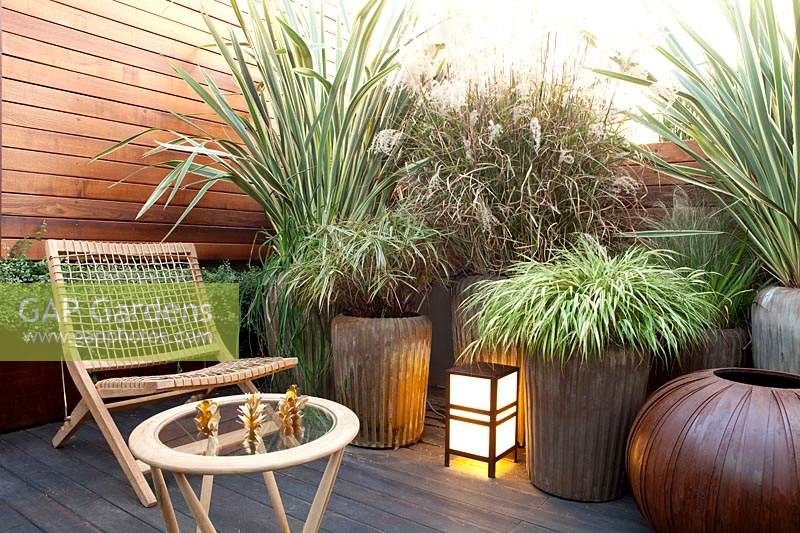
380	369
464	332
722	348
579	415
776	330
719	450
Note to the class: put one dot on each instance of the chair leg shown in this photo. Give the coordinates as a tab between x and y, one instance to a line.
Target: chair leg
111	433
248	387
78	416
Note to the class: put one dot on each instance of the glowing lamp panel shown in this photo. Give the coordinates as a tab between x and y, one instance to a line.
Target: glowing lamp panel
507	389
469	438
469	391
506	435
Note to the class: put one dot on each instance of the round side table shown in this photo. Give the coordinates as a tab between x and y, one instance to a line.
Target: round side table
170	441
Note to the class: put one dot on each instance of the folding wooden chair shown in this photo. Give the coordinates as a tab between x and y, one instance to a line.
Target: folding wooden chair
166	270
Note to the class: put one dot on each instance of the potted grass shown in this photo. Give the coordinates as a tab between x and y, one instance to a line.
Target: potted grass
743	116
374	275
702	237
305	160
511	167
589	324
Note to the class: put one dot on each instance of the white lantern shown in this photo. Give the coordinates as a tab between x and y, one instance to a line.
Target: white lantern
481	413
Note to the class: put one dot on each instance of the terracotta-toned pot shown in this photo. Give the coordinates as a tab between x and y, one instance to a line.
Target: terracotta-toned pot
775	316
719	450
464	332
579	415
722	348
380	369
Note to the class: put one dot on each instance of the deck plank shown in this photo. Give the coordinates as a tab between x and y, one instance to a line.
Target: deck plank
404	490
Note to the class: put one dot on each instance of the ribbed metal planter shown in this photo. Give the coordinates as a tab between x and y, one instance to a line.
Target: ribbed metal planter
722	348
464	333
719	451
380	370
776	330
579	415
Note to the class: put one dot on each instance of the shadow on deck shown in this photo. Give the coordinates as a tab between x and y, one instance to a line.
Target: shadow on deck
81	488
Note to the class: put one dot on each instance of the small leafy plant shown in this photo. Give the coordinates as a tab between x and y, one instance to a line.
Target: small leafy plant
381	267
586	299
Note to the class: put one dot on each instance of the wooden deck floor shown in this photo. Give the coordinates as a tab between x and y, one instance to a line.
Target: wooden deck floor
80	488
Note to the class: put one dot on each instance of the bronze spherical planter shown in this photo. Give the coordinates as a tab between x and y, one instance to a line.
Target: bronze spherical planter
464	333
775	316
721	348
380	371
719	450
579	415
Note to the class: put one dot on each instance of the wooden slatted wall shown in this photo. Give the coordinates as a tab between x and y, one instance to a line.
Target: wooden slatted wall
80	74
661	188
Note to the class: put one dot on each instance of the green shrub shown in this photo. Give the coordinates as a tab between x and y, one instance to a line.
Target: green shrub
251	339
585	299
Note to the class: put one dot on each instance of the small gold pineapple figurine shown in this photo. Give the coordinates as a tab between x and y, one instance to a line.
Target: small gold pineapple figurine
290	417
251	413
207	418
207	421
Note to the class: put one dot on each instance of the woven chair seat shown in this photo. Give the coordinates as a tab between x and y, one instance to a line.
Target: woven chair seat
220	374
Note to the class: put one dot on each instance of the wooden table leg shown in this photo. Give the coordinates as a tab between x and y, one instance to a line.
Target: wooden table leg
200	514
277	503
164	501
205	495
323	495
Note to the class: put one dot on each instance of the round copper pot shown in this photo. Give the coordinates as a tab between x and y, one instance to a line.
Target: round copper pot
719	450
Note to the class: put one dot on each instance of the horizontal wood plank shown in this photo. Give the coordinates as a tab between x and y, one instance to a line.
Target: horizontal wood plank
22	227
113	210
70	187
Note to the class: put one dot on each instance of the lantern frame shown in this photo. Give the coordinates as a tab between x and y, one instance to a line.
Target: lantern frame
493	373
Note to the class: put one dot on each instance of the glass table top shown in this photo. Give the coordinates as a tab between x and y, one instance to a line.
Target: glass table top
268	433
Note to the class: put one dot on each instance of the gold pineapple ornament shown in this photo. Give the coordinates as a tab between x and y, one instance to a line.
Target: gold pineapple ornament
207	422
251	413
290	417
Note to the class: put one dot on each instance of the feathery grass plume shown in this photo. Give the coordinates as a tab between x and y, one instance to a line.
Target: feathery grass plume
585	299
701	237
744	118
381	267
511	167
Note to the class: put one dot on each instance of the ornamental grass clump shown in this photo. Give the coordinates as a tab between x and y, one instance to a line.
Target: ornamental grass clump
514	166
585	300
381	267
701	237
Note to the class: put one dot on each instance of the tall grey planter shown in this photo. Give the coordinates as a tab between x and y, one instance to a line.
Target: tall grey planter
579	415
776	330
380	370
